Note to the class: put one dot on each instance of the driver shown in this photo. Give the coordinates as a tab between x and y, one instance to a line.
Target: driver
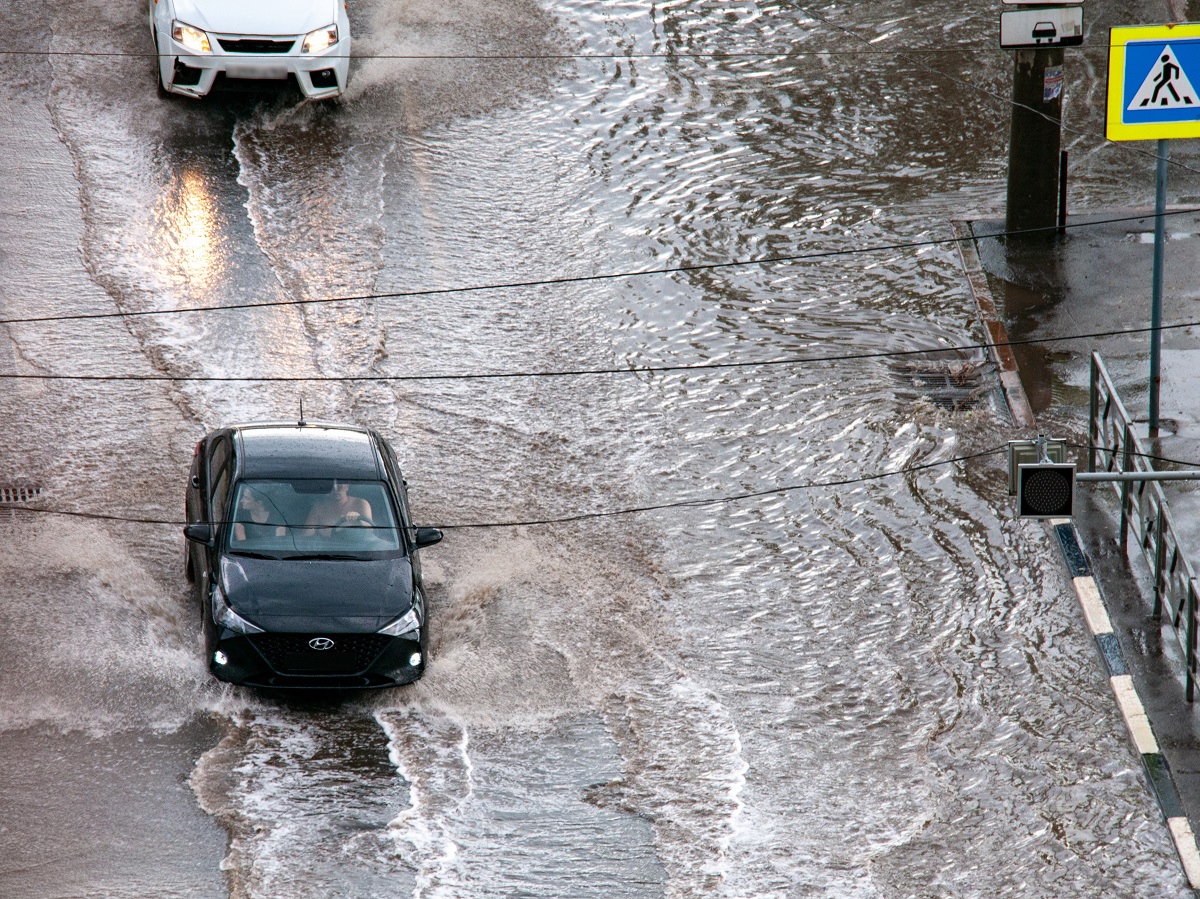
338	508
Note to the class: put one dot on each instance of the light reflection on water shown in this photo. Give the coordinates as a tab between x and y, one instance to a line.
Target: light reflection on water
190	218
866	690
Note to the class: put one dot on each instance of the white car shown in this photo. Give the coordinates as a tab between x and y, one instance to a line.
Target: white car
197	40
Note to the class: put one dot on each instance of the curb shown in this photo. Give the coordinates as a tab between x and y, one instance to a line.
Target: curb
993	326
1154	763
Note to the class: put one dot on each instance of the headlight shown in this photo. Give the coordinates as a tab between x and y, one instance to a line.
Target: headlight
405	625
320	40
227	617
192	38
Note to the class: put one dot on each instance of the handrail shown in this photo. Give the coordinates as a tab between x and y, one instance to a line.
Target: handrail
1145	514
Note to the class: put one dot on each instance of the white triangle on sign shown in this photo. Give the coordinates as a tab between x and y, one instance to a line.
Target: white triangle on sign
1166	86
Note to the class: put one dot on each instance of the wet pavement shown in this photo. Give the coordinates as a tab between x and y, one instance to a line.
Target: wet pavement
850	674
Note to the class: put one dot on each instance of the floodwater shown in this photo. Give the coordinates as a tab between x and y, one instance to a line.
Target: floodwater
879	688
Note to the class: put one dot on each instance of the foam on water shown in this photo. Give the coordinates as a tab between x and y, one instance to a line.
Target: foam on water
307	799
432	754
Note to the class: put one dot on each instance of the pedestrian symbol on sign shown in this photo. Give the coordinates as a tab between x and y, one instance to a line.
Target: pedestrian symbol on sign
1153	73
1166	85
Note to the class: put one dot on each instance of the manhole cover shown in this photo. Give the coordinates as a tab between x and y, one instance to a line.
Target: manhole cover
20	494
951	384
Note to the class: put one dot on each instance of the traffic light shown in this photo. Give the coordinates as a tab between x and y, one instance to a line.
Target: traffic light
1046	490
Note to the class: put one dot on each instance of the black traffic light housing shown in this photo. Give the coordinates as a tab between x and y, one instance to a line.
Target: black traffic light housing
1046	490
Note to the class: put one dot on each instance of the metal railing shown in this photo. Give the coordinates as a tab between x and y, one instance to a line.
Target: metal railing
1113	446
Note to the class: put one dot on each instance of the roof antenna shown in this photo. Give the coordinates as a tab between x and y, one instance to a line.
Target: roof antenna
302	422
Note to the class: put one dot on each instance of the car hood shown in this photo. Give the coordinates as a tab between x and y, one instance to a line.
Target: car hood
290	17
298	595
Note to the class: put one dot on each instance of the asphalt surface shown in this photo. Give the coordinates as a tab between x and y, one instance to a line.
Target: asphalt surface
1096	280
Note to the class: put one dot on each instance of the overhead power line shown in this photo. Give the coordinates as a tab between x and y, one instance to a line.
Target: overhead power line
990	47
584	279
585	372
570	517
970	47
611	513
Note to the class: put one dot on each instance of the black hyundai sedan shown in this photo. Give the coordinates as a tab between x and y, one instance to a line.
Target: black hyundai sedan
303	554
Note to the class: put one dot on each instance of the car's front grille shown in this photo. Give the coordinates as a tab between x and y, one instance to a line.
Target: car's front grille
254	45
292	654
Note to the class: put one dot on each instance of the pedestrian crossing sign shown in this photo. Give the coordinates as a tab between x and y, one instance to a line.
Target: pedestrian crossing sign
1153	76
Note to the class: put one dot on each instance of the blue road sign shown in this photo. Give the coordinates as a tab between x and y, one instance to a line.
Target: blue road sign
1153	74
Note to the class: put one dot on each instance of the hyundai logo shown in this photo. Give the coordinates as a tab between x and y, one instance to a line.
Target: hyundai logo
321	643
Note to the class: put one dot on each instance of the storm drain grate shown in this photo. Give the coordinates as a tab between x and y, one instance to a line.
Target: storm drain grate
955	385
21	494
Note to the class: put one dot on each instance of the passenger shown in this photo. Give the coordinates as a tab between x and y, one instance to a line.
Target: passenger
252	510
338	509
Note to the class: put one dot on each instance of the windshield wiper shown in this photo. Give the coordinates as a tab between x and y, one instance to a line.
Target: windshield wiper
254	555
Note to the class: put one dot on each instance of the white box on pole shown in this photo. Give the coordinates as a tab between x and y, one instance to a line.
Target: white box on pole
1058	26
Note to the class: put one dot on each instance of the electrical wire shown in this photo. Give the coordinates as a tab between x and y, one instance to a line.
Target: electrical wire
588	279
585	372
966	47
546	57
573	517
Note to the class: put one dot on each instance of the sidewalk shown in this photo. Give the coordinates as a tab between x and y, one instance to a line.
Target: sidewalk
1097	280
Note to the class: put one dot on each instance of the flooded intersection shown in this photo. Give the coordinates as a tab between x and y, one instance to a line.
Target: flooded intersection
871	689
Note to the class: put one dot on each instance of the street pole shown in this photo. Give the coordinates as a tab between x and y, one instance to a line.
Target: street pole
1034	141
1156	288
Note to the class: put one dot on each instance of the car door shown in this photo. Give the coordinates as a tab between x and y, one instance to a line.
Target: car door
193	506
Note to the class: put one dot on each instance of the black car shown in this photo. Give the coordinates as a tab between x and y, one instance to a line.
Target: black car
303	554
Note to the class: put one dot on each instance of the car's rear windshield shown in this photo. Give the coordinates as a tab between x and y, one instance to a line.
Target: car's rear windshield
313	517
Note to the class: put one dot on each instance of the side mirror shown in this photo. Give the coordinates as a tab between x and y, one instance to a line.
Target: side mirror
428	537
202	533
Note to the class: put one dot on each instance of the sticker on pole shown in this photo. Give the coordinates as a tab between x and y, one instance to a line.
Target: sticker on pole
1152	73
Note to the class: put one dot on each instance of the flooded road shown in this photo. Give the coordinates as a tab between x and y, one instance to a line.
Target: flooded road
880	688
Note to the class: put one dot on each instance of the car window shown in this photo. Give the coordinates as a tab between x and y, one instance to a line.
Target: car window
286	519
220	469
393	467
220	492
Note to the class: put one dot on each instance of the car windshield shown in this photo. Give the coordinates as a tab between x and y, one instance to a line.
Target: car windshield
313	518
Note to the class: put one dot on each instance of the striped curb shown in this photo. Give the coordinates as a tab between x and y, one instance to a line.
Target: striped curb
1154	763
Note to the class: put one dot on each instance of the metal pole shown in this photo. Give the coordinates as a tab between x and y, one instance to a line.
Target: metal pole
1062	194
1035	137
1160	562
1093	409
1135	476
1160	240
1191	642
1126	464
